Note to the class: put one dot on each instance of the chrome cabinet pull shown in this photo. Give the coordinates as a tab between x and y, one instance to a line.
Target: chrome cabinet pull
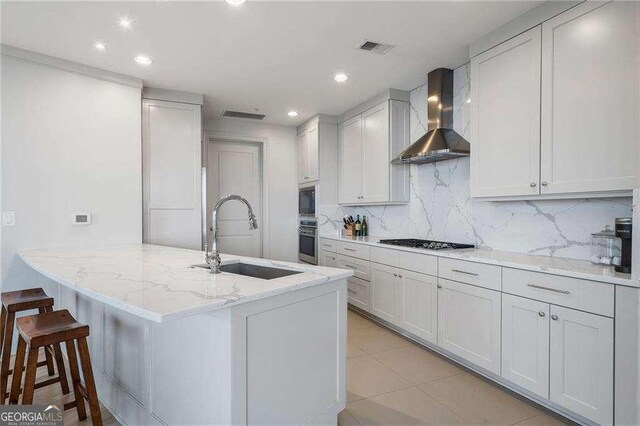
554	317
545	183
395	275
351	291
399	275
473	274
439	285
548	289
541	313
349	249
350	266
532	184
326	245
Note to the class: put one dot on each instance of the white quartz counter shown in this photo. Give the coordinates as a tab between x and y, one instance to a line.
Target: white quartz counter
156	283
551	265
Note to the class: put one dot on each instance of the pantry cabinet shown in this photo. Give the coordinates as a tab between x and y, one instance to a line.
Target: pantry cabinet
581	363
525	343
469	323
555	109
308	155
367	144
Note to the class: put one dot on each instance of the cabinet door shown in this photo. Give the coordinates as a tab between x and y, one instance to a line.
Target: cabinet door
328	259
312	154
591	98
469	323
303	156
384	280
350	160
399	135
581	364
525	343
505	118
418	304
375	154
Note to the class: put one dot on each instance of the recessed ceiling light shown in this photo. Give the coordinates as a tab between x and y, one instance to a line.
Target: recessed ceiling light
143	60
293	114
125	23
100	46
236	2
340	77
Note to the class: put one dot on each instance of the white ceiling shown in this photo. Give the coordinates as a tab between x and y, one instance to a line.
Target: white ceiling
270	56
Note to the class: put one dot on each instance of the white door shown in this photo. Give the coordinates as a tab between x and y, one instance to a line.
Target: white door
312	154
375	154
350	160
171	169
303	156
591	98
525	343
418	304
236	168
581	364
505	111
469	323
384	280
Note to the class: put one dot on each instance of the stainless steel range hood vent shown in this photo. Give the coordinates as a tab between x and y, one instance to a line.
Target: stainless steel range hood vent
441	142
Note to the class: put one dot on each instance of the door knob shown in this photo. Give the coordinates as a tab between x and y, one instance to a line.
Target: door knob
545	183
541	313
554	317
439	285
532	184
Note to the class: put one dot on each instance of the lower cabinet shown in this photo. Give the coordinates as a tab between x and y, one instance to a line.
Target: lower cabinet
358	293
328	259
581	363
561	354
417	304
383	290
469	323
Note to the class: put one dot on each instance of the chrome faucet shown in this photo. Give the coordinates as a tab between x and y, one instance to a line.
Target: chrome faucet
213	258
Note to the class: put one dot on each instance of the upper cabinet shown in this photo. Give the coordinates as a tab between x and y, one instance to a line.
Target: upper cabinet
367	143
555	109
318	156
308	155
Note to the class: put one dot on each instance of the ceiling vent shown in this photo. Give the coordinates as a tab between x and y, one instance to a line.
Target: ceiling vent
375	47
247	115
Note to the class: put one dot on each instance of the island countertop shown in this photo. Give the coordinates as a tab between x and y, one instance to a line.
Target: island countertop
157	283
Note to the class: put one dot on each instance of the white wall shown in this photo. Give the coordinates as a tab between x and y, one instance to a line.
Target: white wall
70	143
281	174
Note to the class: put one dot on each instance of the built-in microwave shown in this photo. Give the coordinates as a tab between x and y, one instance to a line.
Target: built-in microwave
307	201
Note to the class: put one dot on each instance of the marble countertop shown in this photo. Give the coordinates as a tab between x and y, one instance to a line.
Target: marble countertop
551	265
156	283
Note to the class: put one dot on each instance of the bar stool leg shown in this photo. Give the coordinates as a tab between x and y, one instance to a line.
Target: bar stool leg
6	355
17	371
30	376
3	320
62	370
89	382
75	378
47	355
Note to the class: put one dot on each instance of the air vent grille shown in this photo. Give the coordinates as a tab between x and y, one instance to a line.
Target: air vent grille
375	47
247	115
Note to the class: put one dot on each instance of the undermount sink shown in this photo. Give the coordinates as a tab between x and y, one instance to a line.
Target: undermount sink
251	270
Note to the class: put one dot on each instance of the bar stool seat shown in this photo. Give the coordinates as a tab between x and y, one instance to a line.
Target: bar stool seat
54	328
20	301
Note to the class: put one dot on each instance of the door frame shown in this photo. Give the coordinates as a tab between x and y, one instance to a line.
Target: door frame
212	137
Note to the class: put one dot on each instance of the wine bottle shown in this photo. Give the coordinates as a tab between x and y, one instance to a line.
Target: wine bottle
364	228
358	226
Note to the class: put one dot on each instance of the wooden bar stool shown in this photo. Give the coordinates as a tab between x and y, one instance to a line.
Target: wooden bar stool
19	301
53	328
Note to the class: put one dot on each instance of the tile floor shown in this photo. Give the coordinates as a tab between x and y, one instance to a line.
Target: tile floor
392	381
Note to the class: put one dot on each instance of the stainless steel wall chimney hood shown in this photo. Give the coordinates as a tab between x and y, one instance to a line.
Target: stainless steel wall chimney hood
441	142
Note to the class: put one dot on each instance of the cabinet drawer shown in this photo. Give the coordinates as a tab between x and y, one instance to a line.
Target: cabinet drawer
405	260
480	274
575	293
359	266
358	293
354	249
328	245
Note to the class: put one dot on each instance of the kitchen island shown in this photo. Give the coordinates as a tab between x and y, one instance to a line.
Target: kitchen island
175	344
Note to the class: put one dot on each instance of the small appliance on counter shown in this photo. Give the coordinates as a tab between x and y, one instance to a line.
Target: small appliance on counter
605	247
623	231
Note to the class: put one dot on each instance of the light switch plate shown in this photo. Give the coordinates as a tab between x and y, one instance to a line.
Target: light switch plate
8	218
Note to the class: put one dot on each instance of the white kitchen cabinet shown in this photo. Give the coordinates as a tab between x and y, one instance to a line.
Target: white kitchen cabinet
525	343
417	310
367	144
591	98
328	259
469	323
172	174
308	155
581	363
505	118
383	289
358	293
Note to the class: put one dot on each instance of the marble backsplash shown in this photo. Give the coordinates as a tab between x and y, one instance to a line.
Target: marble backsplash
441	207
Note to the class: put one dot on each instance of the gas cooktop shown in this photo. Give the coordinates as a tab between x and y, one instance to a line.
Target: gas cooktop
426	244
